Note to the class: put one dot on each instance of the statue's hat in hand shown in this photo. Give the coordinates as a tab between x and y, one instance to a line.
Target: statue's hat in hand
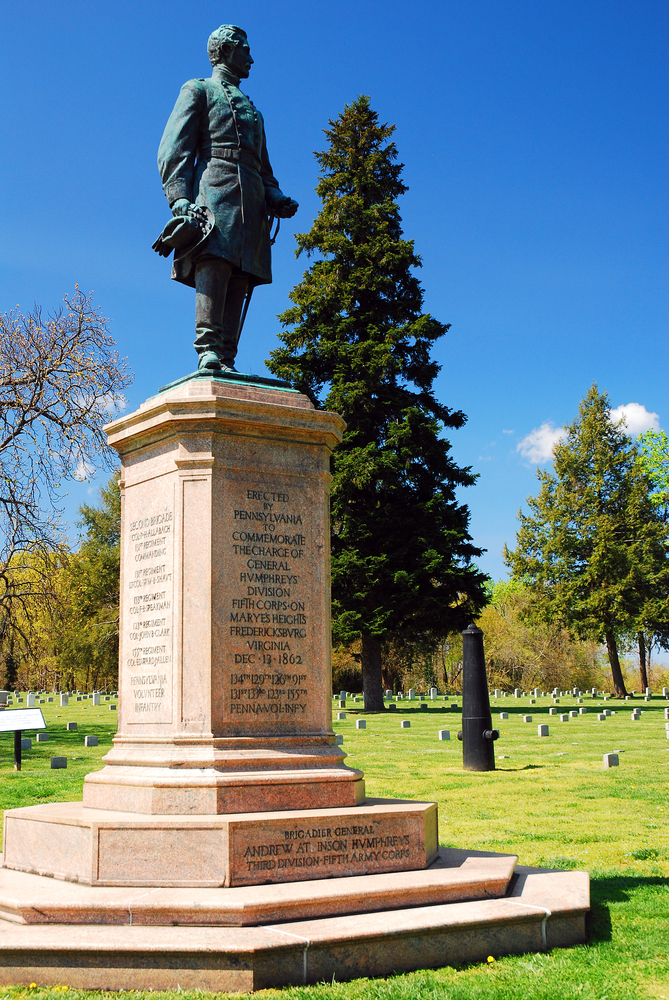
184	233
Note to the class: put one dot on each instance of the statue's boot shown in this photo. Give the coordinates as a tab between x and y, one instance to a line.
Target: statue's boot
219	300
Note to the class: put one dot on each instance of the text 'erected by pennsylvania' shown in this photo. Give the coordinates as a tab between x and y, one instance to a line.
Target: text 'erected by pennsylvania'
268	612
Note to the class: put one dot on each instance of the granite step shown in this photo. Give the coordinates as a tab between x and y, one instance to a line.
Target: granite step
542	910
455	876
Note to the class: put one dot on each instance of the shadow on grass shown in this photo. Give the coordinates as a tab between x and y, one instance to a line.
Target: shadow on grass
613	889
527	767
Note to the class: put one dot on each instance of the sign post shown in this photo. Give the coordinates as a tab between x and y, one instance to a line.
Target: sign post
17	720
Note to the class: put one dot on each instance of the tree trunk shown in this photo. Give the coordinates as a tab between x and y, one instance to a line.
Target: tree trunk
372	680
642	662
612	650
11	668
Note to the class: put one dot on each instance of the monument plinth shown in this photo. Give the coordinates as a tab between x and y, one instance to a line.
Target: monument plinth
224	661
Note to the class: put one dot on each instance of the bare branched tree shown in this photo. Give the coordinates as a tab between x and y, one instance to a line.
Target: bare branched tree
61	380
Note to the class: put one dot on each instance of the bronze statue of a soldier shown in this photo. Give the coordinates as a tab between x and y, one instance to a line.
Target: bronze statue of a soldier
219	183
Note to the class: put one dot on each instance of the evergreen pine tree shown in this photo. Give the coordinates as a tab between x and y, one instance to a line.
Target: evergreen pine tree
593	549
401	551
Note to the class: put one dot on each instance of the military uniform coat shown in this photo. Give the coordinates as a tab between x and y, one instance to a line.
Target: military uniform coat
213	152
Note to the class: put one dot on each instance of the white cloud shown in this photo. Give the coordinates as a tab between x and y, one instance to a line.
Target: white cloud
637	418
539	443
84	470
507	432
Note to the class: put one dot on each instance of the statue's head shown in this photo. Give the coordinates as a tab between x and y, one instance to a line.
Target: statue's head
229	45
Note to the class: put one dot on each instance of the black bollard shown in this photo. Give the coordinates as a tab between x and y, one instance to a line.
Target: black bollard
478	737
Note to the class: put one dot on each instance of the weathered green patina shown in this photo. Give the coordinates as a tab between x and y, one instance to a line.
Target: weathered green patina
213	155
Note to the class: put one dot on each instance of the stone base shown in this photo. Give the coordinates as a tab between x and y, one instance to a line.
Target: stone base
541	910
105	848
165	792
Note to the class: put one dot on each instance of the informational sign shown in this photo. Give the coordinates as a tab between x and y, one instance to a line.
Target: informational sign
21	718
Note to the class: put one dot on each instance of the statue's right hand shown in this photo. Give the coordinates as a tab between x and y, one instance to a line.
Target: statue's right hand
181	206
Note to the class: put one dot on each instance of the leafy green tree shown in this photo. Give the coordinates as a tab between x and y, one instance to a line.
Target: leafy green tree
86	637
654	459
357	336
653	621
591	545
521	650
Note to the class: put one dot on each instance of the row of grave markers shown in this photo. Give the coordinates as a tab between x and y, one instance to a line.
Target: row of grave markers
33	700
608	759
434	694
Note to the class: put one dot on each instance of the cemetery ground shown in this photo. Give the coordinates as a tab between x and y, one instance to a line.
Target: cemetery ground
550	801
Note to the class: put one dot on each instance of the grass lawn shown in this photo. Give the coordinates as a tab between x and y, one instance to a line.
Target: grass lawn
550	801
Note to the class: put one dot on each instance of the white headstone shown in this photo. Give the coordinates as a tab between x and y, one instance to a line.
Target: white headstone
31	702
504	715
542	730
611	760
433	694
361	724
96	698
573	714
71	726
564	718
64	701
90	741
582	711
601	717
444	734
42	737
405	724
340	716
412	694
527	718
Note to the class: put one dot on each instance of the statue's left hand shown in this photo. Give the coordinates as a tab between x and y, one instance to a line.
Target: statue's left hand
285	209
181	206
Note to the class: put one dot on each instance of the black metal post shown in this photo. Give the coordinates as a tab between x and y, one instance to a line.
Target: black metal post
17	749
478	736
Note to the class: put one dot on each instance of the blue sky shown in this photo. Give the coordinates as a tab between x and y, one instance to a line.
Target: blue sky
534	142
